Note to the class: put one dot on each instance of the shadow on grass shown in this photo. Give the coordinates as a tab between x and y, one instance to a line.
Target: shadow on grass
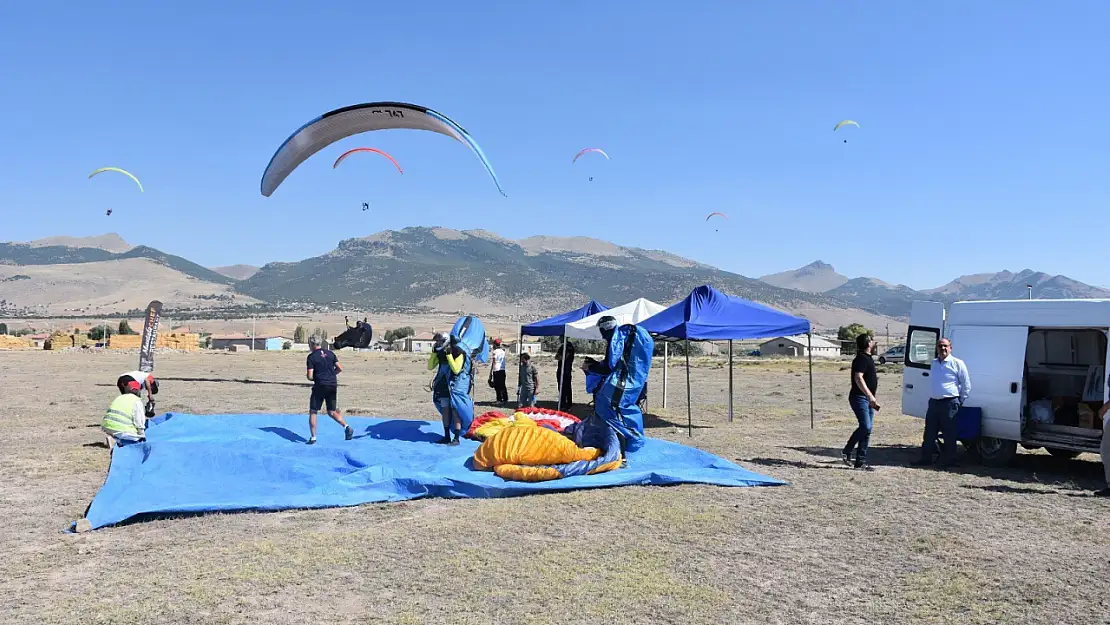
1026	468
304	384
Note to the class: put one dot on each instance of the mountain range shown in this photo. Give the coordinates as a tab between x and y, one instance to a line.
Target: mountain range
894	299
472	270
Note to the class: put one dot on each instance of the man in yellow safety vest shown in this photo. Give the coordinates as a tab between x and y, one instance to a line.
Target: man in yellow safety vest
125	420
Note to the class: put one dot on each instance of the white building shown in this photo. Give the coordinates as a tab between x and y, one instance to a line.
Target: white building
797	346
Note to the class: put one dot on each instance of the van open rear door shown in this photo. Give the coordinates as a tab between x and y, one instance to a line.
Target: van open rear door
926	328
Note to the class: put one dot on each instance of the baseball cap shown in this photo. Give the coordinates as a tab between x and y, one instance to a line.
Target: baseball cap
133	386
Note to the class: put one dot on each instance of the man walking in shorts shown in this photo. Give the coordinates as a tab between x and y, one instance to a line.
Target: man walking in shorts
323	370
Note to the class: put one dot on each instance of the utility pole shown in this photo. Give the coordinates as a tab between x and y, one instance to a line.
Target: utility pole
888	335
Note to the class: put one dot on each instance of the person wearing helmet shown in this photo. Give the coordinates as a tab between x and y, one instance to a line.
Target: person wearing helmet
607	325
447	361
125	419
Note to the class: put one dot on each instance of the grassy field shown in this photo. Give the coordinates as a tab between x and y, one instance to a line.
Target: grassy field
897	545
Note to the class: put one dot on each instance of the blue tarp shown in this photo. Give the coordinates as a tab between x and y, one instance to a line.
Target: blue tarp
210	463
707	315
554	325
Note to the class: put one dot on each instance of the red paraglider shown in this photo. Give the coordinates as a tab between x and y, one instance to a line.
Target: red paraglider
375	150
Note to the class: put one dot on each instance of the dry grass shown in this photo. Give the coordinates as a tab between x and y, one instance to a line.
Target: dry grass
898	545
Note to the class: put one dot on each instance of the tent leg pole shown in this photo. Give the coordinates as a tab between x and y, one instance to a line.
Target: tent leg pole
562	361
689	405
666	349
810	339
730	380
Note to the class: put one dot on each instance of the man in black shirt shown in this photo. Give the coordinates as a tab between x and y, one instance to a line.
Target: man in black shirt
865	382
323	370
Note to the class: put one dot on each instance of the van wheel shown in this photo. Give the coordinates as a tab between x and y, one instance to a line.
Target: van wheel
882	360
1063	454
995	452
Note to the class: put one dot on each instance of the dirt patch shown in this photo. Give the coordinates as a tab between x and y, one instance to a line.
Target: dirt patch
897	545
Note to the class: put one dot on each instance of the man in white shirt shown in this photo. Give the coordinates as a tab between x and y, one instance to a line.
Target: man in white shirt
497	372
951	385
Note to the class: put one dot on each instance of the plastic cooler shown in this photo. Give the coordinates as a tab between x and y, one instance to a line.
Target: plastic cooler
969	422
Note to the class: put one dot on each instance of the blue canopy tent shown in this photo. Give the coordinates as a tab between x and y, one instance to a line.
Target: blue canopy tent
709	315
555	326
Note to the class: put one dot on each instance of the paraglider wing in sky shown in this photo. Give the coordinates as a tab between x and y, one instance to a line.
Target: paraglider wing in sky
375	150
122	171
715	213
351	120
846	122
598	150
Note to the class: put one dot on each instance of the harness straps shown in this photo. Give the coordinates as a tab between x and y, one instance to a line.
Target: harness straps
622	365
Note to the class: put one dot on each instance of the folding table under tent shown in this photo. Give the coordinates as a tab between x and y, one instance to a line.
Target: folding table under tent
709	315
586	328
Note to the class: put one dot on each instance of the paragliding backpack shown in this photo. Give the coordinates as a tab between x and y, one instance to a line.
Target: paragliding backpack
470	335
630	360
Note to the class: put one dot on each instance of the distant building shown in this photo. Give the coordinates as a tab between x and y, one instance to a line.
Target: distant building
797	346
265	343
421	343
530	348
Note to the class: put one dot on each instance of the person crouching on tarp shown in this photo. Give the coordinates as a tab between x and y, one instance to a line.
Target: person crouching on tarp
446	365
125	420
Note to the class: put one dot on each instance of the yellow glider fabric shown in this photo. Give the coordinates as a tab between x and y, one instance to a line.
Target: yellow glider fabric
122	171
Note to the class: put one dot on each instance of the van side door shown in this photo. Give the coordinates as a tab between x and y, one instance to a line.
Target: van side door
926	326
995	359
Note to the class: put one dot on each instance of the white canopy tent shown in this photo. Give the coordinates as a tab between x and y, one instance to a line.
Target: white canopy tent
631	313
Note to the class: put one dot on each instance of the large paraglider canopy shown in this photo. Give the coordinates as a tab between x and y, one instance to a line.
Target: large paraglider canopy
122	171
374	150
351	120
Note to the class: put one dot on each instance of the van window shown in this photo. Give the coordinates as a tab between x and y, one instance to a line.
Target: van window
922	344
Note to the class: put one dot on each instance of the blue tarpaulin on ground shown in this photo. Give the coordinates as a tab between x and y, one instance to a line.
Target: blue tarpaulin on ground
554	325
212	463
707	315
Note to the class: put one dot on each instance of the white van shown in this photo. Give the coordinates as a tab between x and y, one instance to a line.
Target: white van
1038	370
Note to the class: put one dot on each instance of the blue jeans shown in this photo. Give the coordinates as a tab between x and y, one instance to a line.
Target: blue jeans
865	414
941	417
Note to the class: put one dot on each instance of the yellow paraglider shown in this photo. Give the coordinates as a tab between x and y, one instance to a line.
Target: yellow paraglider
122	171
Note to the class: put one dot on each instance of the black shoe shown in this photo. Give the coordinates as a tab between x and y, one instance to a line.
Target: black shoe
349	432
863	466
311	441
444	441
847	456
453	442
1102	493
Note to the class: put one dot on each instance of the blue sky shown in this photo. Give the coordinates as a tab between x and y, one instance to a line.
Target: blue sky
984	142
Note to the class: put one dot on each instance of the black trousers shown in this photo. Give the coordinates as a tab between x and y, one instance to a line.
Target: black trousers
565	387
499	386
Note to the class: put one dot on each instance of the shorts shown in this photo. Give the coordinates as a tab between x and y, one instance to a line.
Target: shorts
322	395
442	403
